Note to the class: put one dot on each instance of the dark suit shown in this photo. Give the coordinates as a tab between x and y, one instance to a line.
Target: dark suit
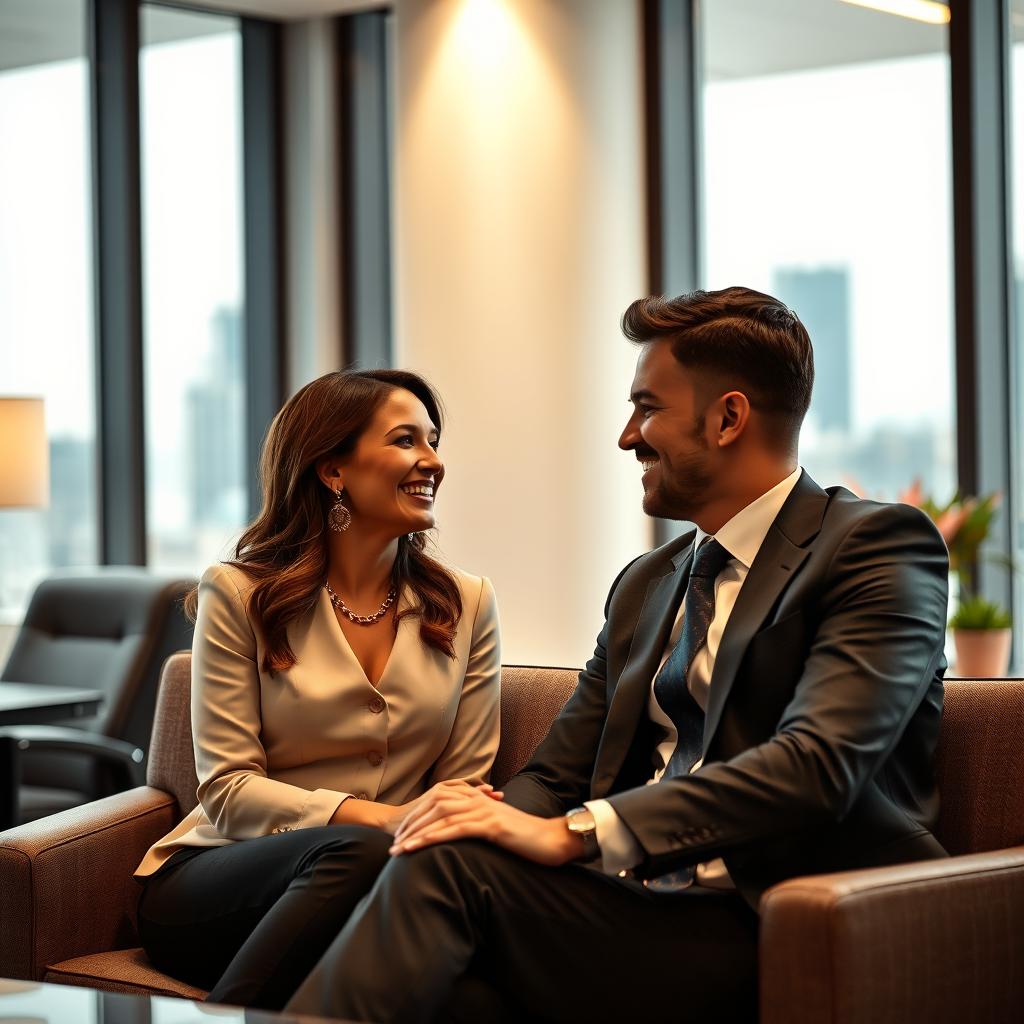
820	730
823	712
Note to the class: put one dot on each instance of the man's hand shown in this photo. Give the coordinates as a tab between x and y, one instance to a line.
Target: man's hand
477	812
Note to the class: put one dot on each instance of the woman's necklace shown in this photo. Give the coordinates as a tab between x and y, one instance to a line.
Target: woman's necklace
362	620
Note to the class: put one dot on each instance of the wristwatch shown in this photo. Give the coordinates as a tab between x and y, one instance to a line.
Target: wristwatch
581	822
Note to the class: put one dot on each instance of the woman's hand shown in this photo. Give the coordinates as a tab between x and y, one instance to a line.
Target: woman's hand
389	817
475	812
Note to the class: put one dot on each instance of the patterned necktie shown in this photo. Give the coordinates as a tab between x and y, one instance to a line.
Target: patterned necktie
670	689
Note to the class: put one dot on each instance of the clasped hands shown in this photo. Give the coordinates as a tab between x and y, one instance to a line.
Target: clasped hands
458	810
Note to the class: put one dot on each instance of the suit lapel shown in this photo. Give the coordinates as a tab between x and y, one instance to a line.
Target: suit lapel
653	628
778	560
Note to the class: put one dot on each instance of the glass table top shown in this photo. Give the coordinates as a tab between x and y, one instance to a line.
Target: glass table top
27	1002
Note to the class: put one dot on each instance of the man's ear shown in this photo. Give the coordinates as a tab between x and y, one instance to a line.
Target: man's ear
734	415
330	473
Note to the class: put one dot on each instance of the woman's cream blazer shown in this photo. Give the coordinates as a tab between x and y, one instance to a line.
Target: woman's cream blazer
280	752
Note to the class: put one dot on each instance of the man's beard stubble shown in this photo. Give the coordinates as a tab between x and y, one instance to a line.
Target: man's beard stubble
681	497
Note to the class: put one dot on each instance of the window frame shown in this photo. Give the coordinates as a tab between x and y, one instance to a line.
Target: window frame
979	50
117	215
114	72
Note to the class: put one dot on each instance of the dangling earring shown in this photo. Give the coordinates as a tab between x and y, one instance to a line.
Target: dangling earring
339	519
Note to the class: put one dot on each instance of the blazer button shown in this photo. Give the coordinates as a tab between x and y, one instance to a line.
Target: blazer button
376	705
375	757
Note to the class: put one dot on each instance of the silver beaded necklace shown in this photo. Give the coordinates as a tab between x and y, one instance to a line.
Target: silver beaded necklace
362	620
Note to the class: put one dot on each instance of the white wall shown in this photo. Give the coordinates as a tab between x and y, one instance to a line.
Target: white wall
519	241
312	248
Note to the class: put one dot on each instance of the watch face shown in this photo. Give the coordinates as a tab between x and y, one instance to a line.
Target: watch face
580	821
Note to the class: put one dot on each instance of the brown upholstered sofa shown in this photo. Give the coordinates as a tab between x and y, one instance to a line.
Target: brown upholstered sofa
67	897
940	941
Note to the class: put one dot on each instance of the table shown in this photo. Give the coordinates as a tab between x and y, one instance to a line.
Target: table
61	1004
34	704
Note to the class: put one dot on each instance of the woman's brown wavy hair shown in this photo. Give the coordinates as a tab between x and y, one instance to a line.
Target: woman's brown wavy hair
284	551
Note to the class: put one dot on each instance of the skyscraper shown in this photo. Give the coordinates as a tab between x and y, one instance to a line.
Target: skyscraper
821	298
215	426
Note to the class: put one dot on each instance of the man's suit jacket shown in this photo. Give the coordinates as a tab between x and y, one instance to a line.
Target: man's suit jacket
276	751
823	712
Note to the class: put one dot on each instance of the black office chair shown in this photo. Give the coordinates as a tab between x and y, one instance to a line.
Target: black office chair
101	629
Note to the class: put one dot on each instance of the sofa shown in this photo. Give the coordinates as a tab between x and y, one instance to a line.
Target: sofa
937	941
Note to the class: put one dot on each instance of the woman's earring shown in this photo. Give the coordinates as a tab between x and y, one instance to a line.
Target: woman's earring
339	519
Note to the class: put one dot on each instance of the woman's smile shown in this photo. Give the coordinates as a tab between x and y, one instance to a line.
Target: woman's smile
420	491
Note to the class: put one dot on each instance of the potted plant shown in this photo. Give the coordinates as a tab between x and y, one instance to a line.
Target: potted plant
981	635
981	628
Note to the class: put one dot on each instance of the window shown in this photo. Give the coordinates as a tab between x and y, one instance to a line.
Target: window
826	175
190	82
46	282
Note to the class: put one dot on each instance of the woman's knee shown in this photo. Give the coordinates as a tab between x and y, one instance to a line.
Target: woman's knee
370	845
356	856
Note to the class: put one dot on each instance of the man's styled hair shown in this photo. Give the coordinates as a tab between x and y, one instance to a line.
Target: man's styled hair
741	338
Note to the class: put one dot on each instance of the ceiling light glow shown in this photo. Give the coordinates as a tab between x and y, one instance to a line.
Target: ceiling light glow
929	11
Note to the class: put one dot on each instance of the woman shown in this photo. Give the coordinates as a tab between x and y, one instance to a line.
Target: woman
338	673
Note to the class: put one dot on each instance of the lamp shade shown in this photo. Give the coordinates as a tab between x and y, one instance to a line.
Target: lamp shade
24	453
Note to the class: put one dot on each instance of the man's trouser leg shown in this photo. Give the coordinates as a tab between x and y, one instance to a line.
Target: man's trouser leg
562	943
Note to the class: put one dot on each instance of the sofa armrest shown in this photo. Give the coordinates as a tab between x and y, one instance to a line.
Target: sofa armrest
125	758
938	940
66	886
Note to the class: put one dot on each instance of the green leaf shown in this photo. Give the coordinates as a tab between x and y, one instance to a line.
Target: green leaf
979	613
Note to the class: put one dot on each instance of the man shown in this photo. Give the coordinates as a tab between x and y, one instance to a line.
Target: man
763	702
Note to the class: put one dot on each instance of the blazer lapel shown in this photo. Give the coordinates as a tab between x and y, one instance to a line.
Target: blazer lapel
781	555
653	628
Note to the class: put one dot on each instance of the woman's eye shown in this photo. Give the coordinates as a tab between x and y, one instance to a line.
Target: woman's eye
408	441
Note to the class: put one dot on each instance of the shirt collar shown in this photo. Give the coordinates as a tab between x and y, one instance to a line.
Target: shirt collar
743	535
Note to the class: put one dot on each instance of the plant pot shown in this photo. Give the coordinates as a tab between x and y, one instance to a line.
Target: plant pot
982	652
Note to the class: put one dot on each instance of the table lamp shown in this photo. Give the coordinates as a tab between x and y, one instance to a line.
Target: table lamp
24	453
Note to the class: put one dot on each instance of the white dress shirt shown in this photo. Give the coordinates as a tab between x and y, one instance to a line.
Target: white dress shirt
742	537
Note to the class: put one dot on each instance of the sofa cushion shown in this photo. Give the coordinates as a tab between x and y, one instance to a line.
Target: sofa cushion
172	760
531	698
979	765
121	970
